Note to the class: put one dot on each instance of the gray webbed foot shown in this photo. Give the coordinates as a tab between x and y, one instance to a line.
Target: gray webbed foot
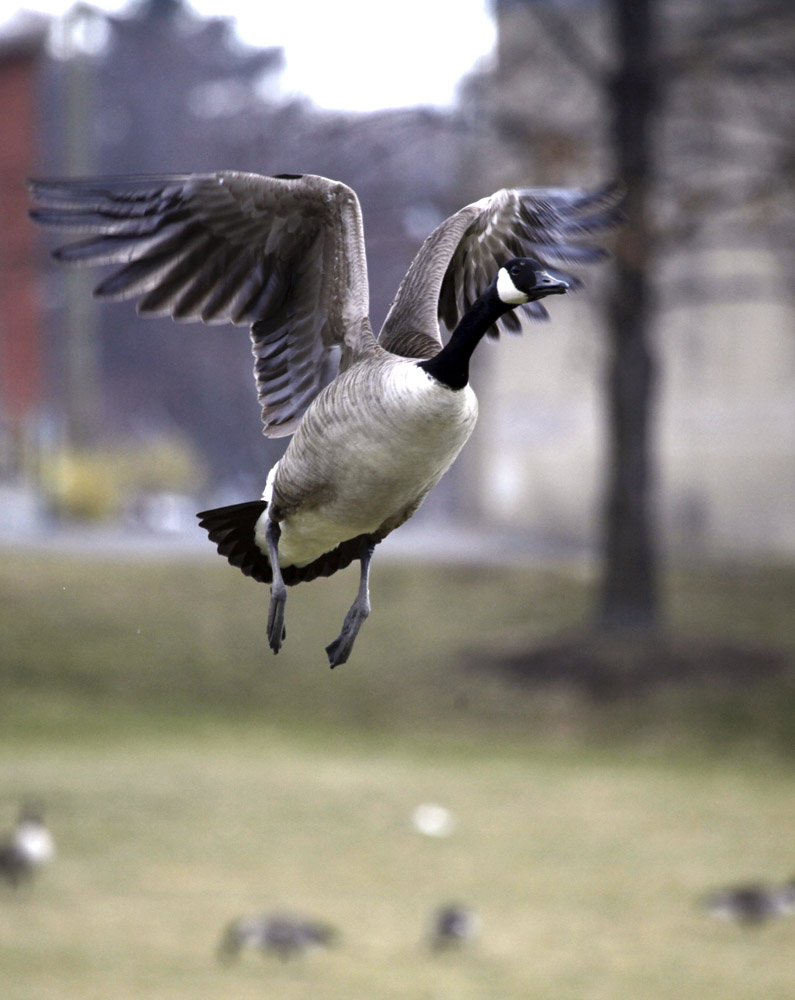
340	649
276	629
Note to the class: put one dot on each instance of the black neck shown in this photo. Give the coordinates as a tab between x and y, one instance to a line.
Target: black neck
451	365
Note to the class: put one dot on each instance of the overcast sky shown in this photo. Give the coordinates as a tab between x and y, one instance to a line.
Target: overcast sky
356	54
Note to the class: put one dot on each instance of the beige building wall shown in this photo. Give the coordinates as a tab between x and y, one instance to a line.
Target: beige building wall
725	400
727	421
724	427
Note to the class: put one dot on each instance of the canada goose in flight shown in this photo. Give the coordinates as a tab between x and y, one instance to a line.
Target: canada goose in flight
375	423
286	935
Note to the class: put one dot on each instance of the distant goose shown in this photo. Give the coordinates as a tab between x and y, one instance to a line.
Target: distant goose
375	424
29	847
752	904
283	934
453	926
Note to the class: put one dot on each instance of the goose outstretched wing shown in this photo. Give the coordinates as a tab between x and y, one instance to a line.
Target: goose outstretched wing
283	255
560	227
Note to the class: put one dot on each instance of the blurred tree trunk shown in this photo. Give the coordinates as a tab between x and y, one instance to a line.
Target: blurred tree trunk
690	106
629	595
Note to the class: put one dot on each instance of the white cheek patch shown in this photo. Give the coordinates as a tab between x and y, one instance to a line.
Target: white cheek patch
507	290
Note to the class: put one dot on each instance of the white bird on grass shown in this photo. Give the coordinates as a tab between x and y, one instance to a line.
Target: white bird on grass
27	848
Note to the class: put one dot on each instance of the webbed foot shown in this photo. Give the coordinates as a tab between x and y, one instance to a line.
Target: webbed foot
340	649
276	629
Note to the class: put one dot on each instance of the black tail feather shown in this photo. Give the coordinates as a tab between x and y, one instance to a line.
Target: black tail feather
232	530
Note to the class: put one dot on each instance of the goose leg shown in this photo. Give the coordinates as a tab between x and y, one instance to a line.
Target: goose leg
276	630
339	650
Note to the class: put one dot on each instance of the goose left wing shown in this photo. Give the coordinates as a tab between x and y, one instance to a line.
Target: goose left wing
560	227
283	255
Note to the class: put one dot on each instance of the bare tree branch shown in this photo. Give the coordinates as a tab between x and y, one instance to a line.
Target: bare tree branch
710	41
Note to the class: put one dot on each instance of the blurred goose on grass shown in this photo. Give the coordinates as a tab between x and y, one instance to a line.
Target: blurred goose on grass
752	904
285	935
454	926
375	423
29	847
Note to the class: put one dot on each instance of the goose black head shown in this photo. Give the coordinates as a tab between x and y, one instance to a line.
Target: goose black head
524	279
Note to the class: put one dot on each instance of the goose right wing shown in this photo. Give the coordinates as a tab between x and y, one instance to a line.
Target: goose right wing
284	255
558	226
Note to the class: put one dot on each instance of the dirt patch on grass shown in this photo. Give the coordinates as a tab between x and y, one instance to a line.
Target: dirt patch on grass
606	665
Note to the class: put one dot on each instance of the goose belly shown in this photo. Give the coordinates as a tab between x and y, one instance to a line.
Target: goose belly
369	469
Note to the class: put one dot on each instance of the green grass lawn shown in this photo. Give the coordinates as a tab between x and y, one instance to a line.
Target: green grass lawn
191	777
585	868
187	636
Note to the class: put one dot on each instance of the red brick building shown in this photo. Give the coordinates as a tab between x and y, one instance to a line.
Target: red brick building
20	347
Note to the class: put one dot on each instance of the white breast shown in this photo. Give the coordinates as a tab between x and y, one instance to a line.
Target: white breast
368	451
